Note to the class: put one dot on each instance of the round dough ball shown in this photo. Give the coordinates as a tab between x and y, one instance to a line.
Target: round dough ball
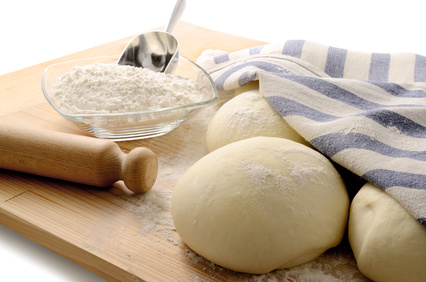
389	244
261	204
247	115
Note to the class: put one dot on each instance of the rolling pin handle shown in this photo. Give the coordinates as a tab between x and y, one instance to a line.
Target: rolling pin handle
140	170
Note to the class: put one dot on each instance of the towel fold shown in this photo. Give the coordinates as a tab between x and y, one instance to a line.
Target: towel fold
365	111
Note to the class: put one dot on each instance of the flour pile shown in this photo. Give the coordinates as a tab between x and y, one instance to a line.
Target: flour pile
111	88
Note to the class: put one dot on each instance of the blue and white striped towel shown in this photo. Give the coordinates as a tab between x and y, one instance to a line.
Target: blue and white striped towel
366	111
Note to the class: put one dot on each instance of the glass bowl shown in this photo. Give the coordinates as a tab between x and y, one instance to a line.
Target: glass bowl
138	124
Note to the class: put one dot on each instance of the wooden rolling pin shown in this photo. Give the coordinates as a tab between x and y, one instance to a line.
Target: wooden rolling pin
76	158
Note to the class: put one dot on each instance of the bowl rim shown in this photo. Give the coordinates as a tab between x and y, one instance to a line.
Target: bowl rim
196	104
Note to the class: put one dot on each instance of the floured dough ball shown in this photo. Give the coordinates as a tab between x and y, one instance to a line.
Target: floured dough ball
247	115
261	204
389	244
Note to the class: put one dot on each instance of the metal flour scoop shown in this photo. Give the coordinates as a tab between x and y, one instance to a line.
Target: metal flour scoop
155	50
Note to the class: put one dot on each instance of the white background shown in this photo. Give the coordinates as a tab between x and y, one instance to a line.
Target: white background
36	31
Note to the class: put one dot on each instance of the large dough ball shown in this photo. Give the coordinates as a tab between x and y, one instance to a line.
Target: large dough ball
388	243
261	204
247	115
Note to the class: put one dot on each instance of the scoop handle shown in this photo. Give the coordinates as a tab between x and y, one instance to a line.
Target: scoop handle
176	14
76	158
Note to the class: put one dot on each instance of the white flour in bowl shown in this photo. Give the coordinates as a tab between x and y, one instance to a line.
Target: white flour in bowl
111	88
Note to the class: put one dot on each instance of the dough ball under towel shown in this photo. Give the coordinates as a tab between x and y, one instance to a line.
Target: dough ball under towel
247	115
261	204
389	244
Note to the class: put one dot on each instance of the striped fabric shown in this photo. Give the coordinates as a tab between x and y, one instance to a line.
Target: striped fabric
365	111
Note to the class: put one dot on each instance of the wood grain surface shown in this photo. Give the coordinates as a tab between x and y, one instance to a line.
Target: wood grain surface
113	232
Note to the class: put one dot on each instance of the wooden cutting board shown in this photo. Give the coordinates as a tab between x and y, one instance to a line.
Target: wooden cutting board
112	232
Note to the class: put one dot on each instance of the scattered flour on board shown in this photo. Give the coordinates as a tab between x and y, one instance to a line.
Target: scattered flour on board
153	211
154	207
111	88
